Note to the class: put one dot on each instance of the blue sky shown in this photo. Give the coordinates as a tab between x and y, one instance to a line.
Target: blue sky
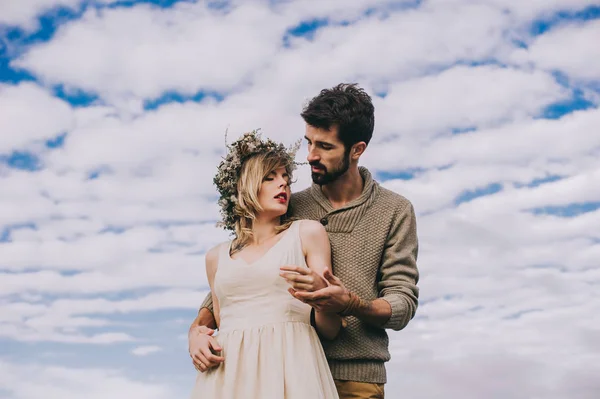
113	116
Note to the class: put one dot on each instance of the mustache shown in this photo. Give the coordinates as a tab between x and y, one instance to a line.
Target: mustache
317	164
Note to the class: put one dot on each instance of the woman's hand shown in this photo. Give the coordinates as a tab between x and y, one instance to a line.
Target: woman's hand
334	298
302	278
202	346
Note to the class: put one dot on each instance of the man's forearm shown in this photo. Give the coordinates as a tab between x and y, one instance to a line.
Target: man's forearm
205	318
376	312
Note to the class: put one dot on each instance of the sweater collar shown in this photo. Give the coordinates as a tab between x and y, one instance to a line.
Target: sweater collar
369	189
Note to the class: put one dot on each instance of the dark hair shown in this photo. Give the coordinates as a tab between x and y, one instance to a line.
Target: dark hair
346	106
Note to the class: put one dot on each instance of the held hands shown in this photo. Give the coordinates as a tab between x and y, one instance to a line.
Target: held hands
302	278
202	347
332	298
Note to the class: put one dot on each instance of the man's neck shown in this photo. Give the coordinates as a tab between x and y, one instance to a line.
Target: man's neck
344	189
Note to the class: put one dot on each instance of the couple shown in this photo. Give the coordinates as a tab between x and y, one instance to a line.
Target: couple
287	326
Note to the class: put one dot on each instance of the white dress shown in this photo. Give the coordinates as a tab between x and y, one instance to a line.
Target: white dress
271	351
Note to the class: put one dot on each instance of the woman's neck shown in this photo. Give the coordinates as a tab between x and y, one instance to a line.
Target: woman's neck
264	229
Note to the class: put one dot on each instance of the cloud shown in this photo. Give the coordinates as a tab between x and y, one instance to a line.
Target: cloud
498	146
485	122
28	381
126	70
146	350
465	98
468	376
526	11
24	13
76	320
20	130
569	49
182	56
383	48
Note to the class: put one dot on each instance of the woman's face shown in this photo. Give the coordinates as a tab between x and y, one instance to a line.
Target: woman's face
274	193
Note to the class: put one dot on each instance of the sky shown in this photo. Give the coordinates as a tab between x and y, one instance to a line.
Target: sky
112	121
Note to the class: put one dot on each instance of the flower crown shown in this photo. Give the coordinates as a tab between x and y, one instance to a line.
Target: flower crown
230	168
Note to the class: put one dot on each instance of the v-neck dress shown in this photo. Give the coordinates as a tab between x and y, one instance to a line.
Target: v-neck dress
271	351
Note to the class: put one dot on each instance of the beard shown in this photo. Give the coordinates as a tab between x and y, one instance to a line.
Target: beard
329	176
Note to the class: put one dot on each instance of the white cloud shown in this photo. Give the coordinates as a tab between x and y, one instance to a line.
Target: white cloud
379	50
69	320
30	115
104	53
514	147
542	8
146	350
569	49
465	97
24	12
32	381
336	11
493	274
125	69
155	271
525	11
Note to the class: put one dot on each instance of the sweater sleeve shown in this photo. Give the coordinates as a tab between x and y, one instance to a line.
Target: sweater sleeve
207	303
399	273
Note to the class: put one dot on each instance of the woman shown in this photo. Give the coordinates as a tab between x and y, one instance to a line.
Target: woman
268	344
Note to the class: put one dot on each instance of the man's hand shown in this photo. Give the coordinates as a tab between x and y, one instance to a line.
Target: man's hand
302	278
332	299
201	348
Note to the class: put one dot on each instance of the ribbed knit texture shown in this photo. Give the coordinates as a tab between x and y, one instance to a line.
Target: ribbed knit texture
374	250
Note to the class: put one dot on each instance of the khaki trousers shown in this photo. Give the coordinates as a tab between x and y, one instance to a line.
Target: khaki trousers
359	390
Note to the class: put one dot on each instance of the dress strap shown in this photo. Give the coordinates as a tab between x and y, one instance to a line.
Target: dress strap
224	249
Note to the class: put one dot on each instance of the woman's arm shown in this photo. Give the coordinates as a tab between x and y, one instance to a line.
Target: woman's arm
317	251
212	259
202	345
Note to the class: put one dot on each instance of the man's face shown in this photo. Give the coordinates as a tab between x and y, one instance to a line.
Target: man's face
326	155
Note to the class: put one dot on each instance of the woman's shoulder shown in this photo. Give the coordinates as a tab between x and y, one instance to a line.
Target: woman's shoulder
312	235
311	229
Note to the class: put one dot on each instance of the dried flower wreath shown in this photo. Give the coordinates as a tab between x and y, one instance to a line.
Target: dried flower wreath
230	168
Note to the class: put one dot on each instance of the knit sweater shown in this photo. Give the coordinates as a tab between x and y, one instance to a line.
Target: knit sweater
374	250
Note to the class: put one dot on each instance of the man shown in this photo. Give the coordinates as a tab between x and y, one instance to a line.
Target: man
373	241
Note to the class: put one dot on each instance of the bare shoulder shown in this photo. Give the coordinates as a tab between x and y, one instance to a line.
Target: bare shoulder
315	245
311	229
